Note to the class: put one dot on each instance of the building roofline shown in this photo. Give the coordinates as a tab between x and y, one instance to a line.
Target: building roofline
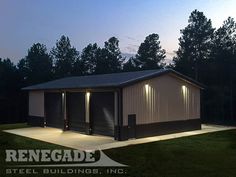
122	84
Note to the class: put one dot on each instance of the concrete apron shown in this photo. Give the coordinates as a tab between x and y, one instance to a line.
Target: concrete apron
76	140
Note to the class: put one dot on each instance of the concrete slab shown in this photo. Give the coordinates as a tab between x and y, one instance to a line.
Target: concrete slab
85	142
64	138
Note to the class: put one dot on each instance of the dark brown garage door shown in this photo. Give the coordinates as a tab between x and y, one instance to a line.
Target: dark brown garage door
102	113
76	111
53	110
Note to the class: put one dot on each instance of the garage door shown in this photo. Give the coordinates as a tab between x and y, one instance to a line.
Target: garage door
76	111
53	110
102	113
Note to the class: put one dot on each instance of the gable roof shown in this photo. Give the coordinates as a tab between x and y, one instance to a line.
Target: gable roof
106	80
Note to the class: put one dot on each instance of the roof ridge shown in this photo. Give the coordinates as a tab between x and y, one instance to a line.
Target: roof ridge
114	73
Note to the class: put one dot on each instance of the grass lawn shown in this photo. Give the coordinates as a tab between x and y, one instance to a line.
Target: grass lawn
207	155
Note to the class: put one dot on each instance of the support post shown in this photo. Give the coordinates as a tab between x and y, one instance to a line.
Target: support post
64	111
121	134
116	133
87	113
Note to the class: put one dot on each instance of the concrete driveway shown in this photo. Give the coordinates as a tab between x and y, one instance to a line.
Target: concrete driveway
88	142
64	138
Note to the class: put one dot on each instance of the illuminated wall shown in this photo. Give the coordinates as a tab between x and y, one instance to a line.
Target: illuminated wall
161	99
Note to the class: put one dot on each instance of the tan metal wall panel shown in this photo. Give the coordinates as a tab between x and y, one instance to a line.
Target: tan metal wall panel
161	99
36	103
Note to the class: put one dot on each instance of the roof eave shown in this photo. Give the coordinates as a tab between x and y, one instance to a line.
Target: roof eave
181	76
73	88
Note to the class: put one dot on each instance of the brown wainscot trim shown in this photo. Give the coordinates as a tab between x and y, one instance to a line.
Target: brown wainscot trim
88	129
35	121
161	128
121	133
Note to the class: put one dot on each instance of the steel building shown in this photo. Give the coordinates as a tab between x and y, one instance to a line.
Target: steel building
122	105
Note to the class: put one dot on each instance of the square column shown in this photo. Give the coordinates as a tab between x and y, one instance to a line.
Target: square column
64	111
87	113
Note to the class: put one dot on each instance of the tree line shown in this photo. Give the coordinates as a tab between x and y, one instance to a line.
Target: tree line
205	54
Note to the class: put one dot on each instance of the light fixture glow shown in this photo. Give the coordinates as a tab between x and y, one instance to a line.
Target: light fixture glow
147	88
184	88
87	94
185	93
87	103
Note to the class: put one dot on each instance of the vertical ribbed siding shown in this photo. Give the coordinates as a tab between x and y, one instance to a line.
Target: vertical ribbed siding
36	103
161	99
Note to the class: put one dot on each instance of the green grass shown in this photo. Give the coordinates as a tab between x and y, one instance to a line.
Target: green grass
207	155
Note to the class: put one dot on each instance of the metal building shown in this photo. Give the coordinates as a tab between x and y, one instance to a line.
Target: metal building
122	105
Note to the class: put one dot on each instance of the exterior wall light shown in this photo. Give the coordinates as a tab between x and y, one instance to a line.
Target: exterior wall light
147	88
184	89
87	95
185	92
